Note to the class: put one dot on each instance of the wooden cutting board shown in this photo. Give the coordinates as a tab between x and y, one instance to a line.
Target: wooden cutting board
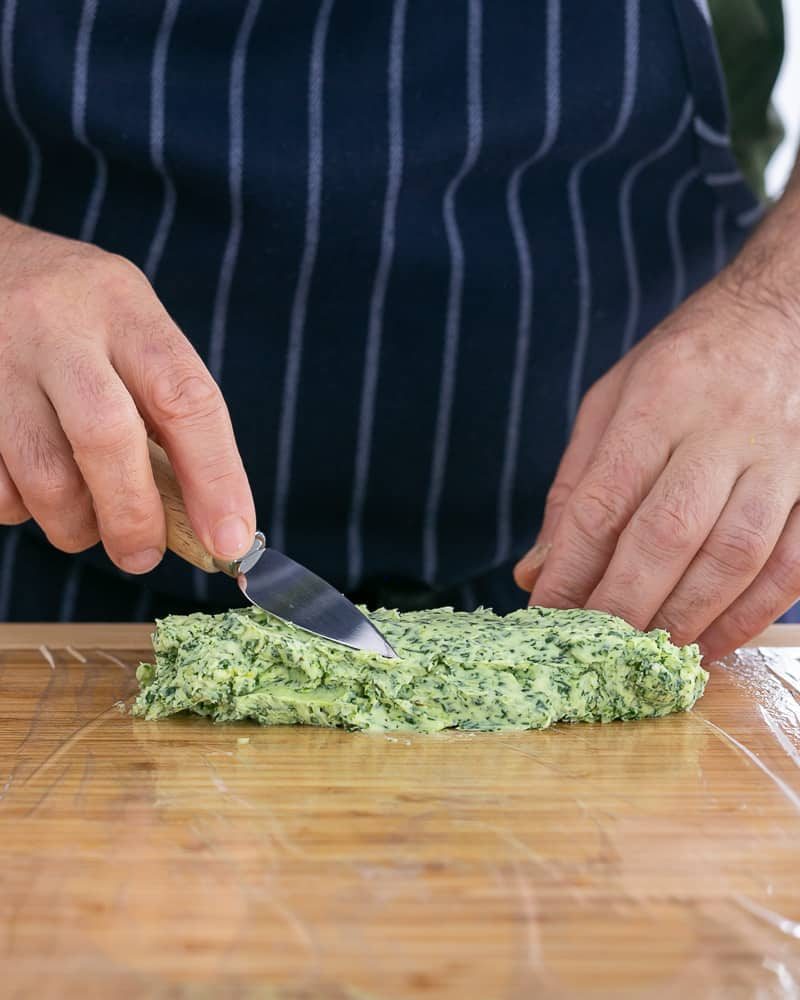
179	859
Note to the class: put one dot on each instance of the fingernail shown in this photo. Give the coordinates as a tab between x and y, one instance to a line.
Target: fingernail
232	537
536	557
141	562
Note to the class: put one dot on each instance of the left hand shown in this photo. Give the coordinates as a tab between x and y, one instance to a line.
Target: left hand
676	502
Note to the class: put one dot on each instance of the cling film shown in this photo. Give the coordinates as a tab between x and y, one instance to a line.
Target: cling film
652	859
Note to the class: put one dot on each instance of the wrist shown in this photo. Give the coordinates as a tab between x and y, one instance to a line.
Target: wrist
765	274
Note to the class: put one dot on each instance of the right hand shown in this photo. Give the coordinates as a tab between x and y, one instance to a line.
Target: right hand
90	364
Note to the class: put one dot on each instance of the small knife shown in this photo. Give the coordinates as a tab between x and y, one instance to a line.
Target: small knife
267	578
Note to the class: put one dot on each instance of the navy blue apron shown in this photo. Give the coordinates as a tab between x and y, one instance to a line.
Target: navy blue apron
405	236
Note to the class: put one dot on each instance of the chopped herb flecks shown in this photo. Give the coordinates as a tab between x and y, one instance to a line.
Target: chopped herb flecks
476	671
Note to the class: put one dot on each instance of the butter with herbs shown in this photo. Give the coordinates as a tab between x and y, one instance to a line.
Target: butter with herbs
475	671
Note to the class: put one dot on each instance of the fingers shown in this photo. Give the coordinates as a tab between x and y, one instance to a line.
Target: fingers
590	425
626	464
12	509
38	459
731	557
109	444
664	534
772	592
101	360
183	405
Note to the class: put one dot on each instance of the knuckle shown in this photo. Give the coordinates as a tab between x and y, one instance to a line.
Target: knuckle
784	568
130	517
740	551
132	521
124	267
760	510
106	428
116	275
20	298
663	529
105	419
557	496
599	511
685	615
679	350
184	395
29	304
55	274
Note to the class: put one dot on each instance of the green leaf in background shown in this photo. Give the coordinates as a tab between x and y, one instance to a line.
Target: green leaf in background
750	39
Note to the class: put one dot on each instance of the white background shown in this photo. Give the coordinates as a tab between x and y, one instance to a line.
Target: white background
787	101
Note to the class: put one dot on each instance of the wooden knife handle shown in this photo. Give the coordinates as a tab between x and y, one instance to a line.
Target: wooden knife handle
181	538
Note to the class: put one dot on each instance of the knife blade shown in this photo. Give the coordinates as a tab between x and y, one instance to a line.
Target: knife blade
268	579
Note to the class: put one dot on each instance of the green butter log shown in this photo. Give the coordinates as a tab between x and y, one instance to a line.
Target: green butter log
477	670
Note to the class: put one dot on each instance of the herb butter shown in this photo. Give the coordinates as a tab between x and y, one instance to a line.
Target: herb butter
476	670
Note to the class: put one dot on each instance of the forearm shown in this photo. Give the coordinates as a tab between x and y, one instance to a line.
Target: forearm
766	271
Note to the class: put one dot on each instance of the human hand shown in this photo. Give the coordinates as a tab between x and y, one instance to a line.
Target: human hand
90	363
675	504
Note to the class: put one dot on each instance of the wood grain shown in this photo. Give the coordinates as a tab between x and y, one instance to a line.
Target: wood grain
181	538
179	859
